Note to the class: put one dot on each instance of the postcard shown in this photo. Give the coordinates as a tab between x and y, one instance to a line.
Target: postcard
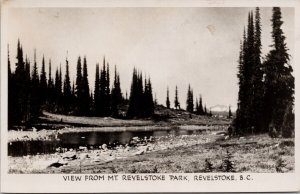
150	96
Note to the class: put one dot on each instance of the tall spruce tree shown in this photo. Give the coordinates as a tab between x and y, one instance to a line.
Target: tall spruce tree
43	83
190	100
148	99
51	89
78	87
116	95
245	120
20	86
107	110
67	95
102	96
196	106
279	82
200	107
133	98
27	90
85	89
97	99
229	112
168	100
176	101
35	96
257	78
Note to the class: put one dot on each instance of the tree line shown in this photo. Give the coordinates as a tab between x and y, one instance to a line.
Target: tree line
30	92
266	85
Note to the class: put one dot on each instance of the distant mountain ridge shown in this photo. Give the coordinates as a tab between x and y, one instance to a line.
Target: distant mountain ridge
222	108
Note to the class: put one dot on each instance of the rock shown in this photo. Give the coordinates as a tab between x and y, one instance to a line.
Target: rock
226	137
104	146
69	156
59	150
56	165
82	148
34	129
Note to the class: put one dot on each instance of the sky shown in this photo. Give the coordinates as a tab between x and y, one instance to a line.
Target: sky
174	46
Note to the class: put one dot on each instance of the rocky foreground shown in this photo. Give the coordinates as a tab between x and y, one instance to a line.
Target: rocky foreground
169	154
64	159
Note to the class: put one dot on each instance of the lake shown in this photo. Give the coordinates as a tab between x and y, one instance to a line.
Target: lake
91	140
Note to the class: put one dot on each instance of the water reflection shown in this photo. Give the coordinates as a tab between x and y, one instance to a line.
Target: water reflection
88	139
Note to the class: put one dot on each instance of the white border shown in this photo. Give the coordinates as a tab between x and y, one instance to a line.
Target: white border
44	183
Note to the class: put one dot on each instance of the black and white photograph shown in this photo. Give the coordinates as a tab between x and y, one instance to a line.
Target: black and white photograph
148	90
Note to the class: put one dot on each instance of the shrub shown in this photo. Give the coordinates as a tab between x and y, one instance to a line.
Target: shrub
208	166
227	163
280	165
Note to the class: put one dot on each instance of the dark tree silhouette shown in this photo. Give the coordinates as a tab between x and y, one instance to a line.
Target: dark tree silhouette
279	82
176	101
85	103
148	100
229	112
168	99
116	95
35	97
78	88
97	99
67	95
190	100
266	91
43	83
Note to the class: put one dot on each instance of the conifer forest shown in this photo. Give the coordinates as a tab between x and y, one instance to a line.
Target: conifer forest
64	115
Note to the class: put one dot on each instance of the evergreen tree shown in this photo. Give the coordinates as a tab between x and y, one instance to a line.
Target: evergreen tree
20	86
133	98
78	87
240	119
67	95
27	90
107	111
196	106
257	78
149	104
58	90
35	96
102	95
201	106
97	99
176	101
140	96
229	112
245	120
73	97
43	83
51	89
279	82
190	100
116	95
141	99
85	90
168	100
